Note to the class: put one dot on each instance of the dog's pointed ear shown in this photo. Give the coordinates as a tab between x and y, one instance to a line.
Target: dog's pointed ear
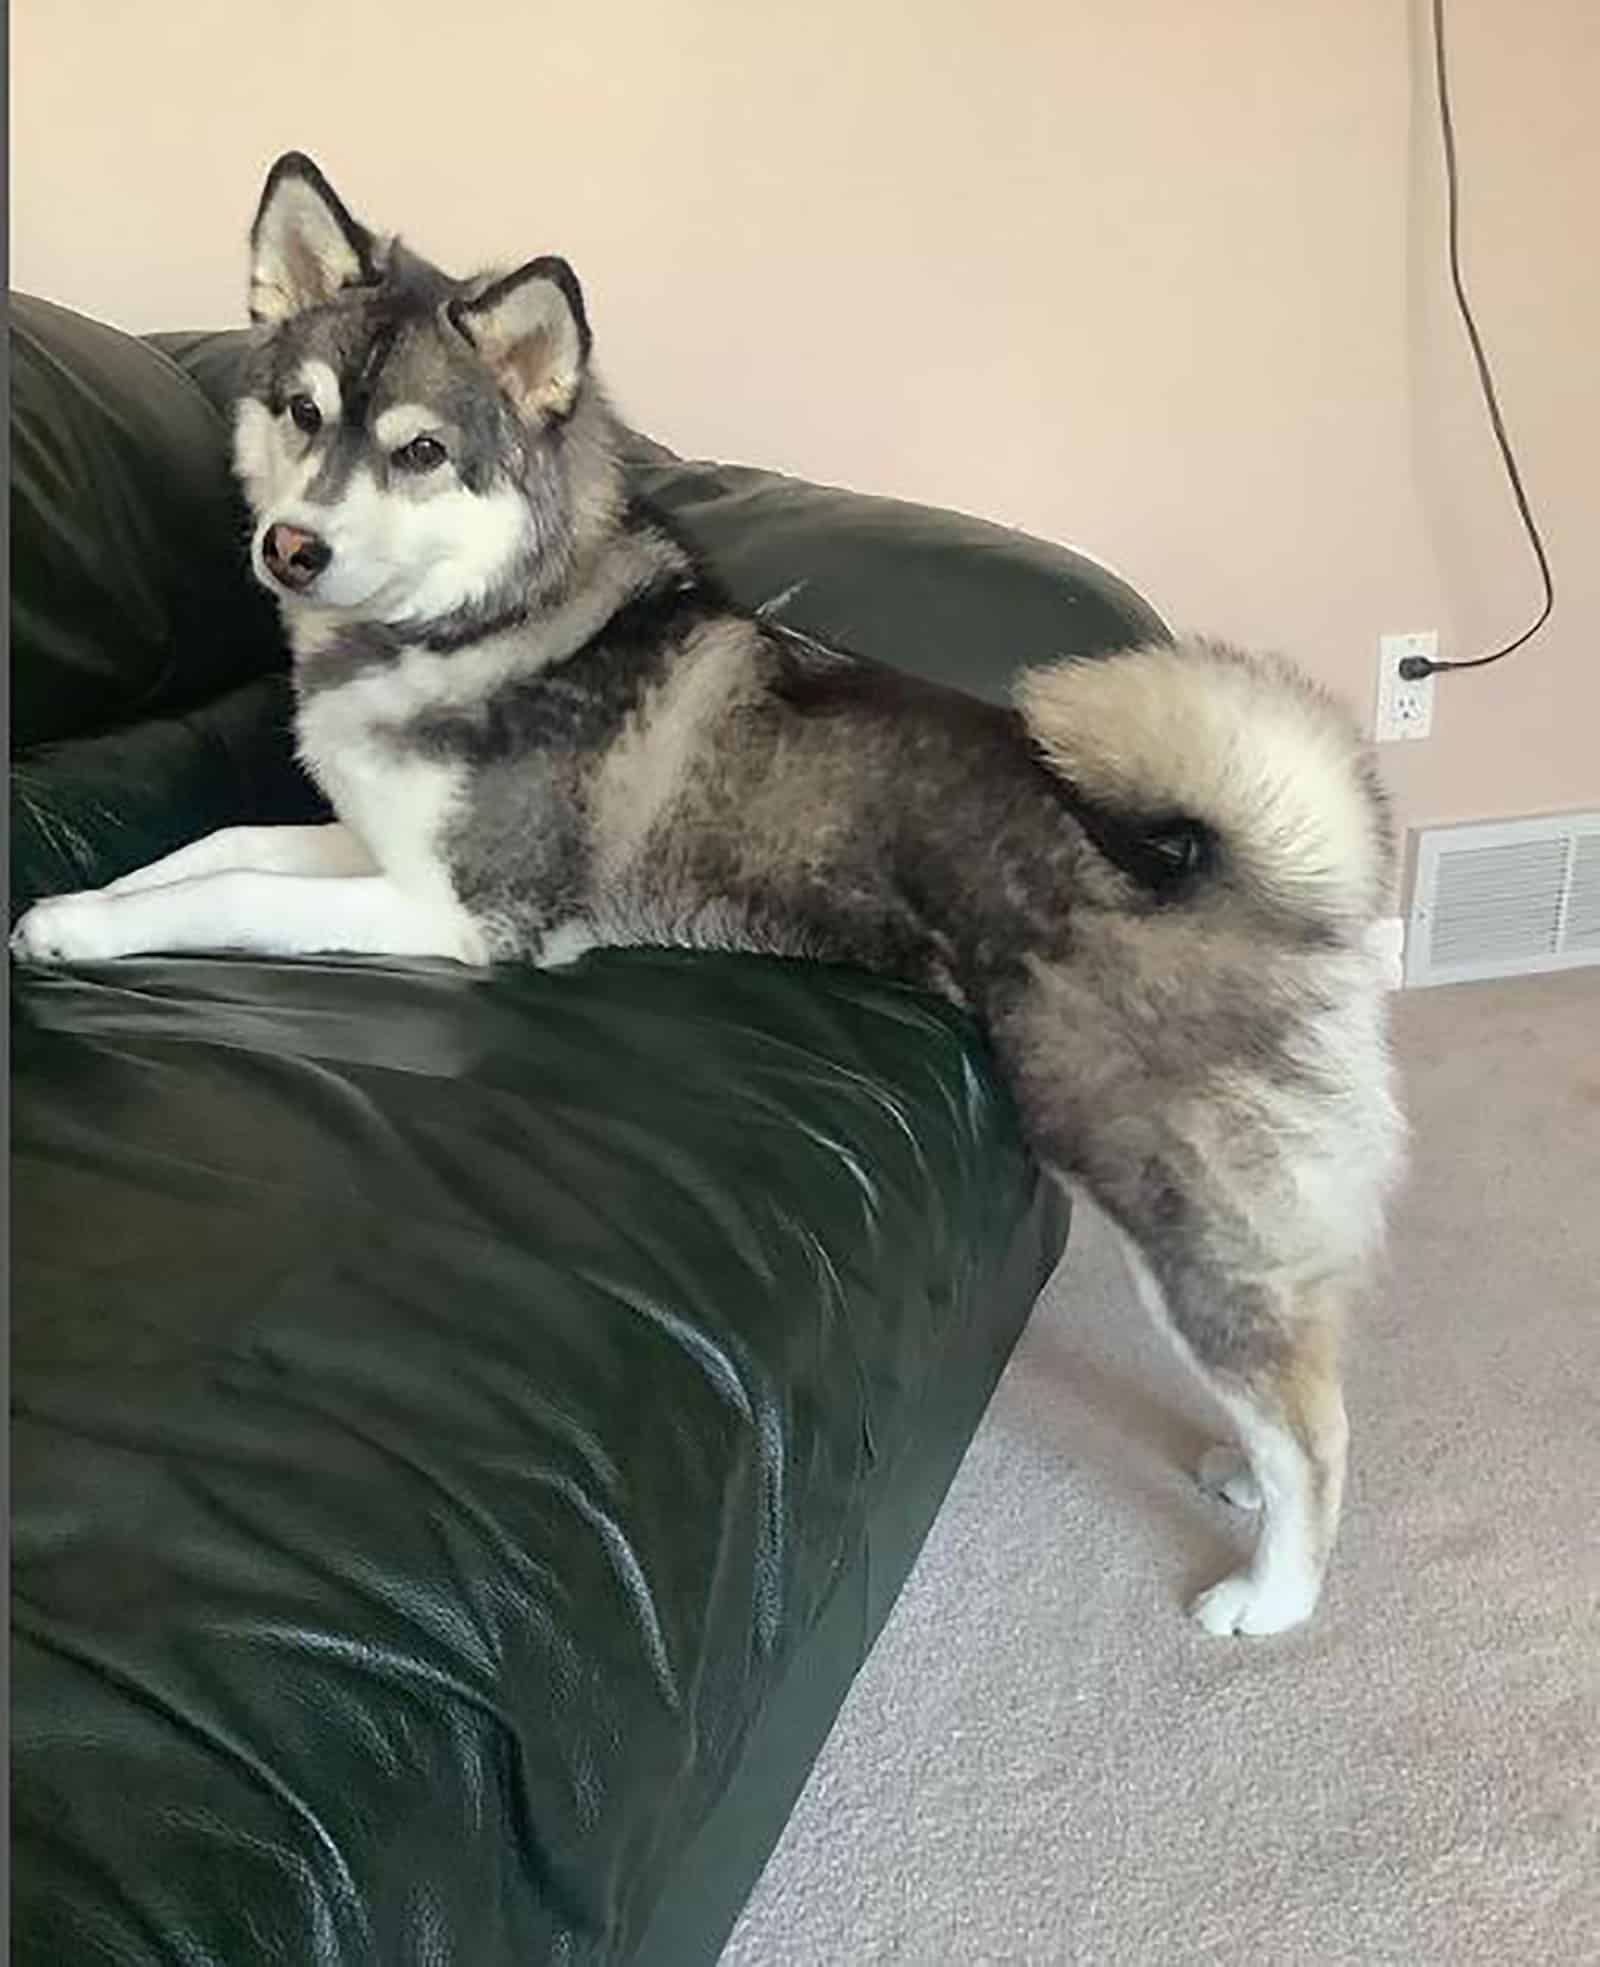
304	246
531	329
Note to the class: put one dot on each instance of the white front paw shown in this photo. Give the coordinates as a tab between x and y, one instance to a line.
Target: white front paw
1255	1605
65	929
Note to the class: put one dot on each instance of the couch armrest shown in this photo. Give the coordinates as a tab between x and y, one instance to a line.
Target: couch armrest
87	810
952	598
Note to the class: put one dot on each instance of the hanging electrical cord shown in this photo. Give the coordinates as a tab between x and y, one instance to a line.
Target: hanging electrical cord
1415	667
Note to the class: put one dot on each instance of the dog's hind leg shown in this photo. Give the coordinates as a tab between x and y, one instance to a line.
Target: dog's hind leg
1269	1351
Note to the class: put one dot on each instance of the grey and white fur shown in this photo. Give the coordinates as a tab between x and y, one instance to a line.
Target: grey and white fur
542	727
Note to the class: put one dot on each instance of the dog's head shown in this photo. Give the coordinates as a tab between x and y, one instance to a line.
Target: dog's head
413	447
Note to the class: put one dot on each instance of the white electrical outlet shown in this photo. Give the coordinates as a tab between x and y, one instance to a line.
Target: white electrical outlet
1405	709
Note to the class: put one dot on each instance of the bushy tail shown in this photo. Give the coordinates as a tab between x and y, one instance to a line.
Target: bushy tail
1267	765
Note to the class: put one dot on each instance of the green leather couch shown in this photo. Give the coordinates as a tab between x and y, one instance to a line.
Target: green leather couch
468	1430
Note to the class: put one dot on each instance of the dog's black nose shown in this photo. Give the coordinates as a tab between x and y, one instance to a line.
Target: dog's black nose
294	557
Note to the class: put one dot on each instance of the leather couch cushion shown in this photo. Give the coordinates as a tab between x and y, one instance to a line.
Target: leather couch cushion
449	1411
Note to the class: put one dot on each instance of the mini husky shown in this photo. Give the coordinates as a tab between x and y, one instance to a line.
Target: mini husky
543	728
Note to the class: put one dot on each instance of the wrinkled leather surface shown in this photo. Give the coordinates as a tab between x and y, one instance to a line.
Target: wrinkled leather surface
468	1429
445	1409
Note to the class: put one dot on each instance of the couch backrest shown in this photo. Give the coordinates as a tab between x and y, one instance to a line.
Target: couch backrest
130	593
949	597
149	692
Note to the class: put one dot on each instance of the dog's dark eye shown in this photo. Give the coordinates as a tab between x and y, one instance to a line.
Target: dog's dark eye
306	415
421	454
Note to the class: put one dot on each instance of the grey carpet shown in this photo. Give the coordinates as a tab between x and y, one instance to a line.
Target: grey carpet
1043	1762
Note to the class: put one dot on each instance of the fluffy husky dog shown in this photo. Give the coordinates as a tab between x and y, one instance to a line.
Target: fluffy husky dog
543	728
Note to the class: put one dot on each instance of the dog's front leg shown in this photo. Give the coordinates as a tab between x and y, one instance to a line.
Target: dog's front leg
266	914
326	850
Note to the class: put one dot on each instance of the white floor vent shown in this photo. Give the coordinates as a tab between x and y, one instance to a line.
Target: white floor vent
1504	899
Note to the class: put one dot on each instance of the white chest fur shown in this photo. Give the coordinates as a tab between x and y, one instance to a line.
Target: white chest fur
351	740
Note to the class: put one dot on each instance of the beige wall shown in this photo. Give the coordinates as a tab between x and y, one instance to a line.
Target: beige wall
1160	278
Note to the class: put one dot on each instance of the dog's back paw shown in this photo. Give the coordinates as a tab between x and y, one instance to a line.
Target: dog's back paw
1225	1472
1254	1606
